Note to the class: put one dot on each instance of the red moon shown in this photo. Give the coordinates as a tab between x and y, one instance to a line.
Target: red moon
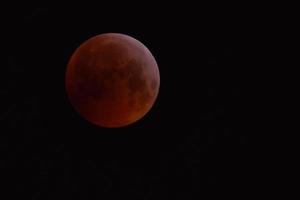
112	80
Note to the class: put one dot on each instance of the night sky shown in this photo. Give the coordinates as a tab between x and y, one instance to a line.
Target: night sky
192	142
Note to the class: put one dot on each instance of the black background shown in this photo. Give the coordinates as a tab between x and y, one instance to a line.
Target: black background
191	143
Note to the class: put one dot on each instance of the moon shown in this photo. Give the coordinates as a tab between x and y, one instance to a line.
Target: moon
112	80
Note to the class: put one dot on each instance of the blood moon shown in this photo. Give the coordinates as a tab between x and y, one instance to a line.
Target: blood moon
112	80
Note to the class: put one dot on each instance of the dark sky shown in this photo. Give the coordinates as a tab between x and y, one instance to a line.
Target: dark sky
192	141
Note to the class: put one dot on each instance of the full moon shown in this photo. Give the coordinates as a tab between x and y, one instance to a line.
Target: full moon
112	80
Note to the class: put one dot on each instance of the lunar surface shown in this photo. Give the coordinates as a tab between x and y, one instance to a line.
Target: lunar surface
112	80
